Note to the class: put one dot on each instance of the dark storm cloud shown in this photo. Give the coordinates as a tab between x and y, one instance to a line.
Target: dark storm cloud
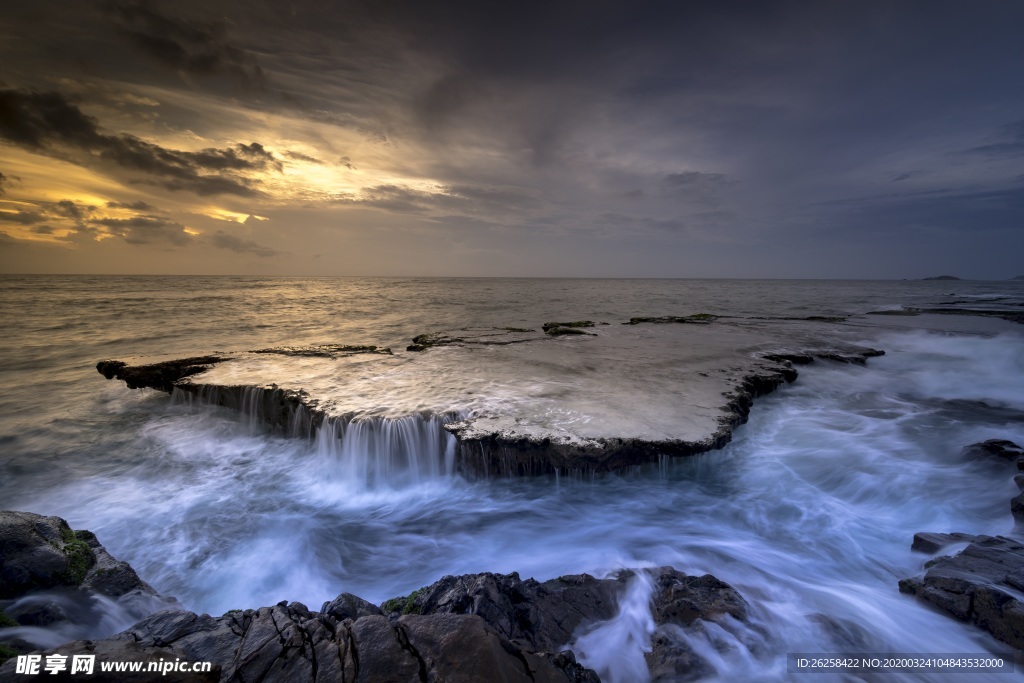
146	229
3	181
43	229
47	123
299	156
187	45
224	240
134	206
22	217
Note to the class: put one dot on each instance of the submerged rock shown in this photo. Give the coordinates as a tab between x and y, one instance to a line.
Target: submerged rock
470	336
1000	448
696	318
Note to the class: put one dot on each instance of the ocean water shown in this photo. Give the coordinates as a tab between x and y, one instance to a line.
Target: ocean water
809	512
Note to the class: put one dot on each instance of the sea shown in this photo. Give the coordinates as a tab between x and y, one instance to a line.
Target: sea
809	512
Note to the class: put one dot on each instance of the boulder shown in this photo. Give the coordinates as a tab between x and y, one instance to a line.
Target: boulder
1000	448
979	585
44	552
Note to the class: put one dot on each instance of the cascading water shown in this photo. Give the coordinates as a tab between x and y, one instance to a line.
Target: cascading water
379	452
808	513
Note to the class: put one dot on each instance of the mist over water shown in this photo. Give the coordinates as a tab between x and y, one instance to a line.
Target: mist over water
809	512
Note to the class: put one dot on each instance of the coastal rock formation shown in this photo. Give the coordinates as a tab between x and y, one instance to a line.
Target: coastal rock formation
162	376
983	583
288	643
473	336
712	399
44	552
696	318
51	575
573	327
472	628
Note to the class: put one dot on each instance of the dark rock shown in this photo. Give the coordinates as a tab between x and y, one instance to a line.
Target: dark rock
162	376
857	357
559	331
288	643
472	336
696	318
927	542
998	447
978	585
547	327
846	635
681	599
1017	508
795	358
55	573
40	552
540	615
348	606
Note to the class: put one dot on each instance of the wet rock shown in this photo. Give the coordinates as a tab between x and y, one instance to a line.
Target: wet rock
846	635
857	357
53	574
795	358
560	331
470	336
980	585
681	599
40	552
696	318
576	323
927	542
348	606
539	615
161	376
1000	448
287	643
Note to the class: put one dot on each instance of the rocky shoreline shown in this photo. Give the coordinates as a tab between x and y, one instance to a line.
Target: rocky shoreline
477	627
983	584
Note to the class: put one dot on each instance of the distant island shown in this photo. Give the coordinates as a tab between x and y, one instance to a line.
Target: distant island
1019	277
941	277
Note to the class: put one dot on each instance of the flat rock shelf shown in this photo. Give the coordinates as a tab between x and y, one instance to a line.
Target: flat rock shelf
517	401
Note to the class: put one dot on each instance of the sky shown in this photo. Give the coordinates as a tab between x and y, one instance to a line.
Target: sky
578	139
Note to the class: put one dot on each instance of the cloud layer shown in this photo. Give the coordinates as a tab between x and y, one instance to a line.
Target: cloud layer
629	139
